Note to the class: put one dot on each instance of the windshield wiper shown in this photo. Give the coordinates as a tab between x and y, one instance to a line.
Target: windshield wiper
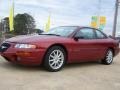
50	34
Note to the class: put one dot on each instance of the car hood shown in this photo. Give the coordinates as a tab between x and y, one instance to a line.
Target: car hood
32	38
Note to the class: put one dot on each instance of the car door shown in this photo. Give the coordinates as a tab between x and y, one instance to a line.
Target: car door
85	48
102	43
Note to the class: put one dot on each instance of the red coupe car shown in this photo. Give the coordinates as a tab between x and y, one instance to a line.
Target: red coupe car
65	44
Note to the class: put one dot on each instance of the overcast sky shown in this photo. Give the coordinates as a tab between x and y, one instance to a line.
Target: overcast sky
63	12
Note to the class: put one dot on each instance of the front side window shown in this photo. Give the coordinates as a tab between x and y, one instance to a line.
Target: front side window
86	33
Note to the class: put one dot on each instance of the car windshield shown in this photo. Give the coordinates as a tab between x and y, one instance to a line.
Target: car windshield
61	31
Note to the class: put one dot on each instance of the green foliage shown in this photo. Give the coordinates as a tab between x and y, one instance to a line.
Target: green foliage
0	30
6	24
0	34
24	24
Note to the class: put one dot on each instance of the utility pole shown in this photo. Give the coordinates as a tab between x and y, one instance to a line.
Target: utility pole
115	17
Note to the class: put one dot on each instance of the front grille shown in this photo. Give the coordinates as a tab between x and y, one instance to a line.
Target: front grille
4	47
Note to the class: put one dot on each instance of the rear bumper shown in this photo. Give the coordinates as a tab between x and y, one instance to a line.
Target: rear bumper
24	57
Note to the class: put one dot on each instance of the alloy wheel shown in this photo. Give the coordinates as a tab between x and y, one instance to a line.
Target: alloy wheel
109	56
56	59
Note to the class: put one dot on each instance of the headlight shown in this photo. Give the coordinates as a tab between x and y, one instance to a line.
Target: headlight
25	46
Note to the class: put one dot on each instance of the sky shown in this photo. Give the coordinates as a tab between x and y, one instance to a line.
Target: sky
63	12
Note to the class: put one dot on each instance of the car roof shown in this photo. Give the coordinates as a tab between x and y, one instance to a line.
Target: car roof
80	27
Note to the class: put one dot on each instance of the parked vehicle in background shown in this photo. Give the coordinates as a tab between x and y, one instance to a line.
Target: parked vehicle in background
118	38
61	45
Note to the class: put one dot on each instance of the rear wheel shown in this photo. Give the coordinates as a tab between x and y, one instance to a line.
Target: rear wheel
55	59
108	58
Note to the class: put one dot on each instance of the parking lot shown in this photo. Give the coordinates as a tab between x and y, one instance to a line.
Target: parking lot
83	76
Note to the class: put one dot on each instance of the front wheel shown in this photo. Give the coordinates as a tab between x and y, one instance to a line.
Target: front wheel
55	59
108	58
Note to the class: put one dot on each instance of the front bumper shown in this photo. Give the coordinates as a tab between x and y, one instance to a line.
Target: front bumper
24	56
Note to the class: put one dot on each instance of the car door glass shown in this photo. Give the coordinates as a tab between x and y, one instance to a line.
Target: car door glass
100	35
86	33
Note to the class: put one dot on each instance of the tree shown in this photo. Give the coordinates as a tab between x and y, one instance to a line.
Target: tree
24	24
38	31
6	24
0	30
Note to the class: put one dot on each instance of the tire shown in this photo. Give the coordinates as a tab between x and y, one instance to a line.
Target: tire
55	59
108	57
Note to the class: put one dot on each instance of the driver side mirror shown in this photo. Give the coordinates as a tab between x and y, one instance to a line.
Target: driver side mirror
78	37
